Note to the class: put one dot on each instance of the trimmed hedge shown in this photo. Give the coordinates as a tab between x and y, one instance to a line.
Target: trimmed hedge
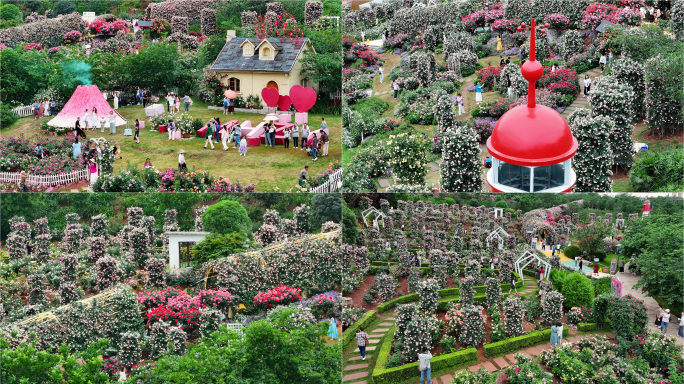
349	334
591	327
382	375
448	293
516	343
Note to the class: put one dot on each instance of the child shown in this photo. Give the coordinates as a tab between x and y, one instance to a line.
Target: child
243	146
102	123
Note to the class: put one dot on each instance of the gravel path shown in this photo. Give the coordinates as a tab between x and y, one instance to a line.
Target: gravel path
628	281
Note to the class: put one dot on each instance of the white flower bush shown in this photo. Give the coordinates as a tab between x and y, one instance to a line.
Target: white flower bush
552	307
73	237
514	312
458	41
267	234
614	100
179	24
313	10
301	218
473	326
523	10
108	272
421	332
428	295
677	18
404	314
460	170
493	292
506	262
36	286
130	351
664	107
208	21
630	72
407	155
385	284
210	320
511	73
15	246
571	44
594	158
248	18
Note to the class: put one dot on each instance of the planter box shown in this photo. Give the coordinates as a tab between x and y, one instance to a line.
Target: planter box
162	128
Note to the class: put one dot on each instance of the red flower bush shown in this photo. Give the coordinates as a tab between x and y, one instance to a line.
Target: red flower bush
505	25
280	295
102	27
487	76
562	81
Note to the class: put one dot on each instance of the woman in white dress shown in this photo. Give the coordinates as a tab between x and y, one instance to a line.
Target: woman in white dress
93	118
46	111
116	99
86	120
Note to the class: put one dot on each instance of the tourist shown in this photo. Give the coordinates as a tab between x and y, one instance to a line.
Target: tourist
181	161
587	85
172	130
22	182
424	366
324	142
502	62
314	147
138	96
93	118
459	101
243	146
554	67
554	334
231	106
226	102
382	74
76	148
210	134
302	176
576	258
39	151
177	103
543	244
41	108
361	341
53	107
580	264
78	131
46	108
395	86
136	136
186	103
542	272
93	171
267	135
537	273
115	96
560	332
217	137
305	137
86	119
332	330
237	131
224	137
665	320
596	268
508	60
478	92
286	137
602	61
148	163
145	97
168	102
523	53
681	326
103	121
112	123
622	266
324	125
499	46
522	62
272	133
512	284
295	135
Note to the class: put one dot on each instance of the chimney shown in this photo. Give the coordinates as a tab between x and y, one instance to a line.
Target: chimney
230	34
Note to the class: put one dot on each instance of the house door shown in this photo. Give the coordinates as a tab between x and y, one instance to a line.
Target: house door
272	84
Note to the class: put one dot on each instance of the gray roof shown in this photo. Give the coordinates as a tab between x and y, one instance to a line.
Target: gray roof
142	23
231	60
603	25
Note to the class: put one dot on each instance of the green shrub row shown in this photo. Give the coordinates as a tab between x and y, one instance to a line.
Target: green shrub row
516	343
382	375
349	334
591	327
452	294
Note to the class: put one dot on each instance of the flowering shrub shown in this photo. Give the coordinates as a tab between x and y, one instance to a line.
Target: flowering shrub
493	292
267	234
557	21
359	52
72	37
595	13
578	315
210	320
323	306
467	291
513	316
627	17
458	41
167	340
593	160
614	100
502	26
49	32
208	21
428	295
473	326
108	272
98	248
487	77
571	44
185	8
397	41
385	285
68	292
280	295
421	332
524	371
186	41
481	376
407	155
18	153
155	269
130	351
552	307
313	10
460	170
105	28
664	110
627	316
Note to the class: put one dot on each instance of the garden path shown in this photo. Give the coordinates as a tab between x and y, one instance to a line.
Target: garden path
357	371
581	101
628	281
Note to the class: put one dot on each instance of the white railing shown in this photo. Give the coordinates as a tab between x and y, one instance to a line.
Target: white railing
23	110
46	180
331	185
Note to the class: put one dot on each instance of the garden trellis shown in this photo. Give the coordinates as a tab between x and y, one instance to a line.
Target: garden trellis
528	257
498	233
379	216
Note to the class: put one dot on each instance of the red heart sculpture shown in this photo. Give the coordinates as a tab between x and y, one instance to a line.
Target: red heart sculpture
284	102
270	96
302	98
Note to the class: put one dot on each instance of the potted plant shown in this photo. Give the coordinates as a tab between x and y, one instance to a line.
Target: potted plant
185	124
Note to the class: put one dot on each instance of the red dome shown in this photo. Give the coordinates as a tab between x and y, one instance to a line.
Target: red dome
535	137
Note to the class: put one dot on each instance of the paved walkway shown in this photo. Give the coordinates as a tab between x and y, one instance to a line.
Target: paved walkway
581	101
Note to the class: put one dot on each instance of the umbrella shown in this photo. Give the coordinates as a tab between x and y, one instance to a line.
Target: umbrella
271	118
230	94
332	331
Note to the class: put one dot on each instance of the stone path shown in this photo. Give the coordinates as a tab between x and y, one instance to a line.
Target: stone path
357	371
581	101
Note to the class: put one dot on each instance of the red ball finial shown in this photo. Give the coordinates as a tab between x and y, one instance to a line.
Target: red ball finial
532	70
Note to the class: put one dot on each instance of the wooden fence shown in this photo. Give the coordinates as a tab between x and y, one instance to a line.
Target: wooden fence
46	180
331	185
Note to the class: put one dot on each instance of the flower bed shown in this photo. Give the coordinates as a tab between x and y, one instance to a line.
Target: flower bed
18	153
280	295
170	180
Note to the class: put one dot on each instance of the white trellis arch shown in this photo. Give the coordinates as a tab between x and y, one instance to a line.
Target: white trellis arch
237	328
527	258
497	233
379	216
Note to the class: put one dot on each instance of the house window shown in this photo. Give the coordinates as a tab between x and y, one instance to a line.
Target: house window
304	83
234	84
266	52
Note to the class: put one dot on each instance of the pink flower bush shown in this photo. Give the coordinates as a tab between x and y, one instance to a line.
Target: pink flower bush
185	8
48	32
596	13
72	37
557	21
280	295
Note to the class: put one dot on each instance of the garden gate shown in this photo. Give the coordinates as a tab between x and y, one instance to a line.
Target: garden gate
529	257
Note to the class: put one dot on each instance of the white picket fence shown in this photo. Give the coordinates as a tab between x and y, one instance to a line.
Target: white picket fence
23	110
331	185
46	180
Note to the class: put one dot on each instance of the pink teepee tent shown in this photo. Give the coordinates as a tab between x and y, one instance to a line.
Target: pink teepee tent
84	97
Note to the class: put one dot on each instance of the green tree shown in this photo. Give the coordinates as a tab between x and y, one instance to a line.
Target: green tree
217	246
578	290
350	227
10	15
590	239
64	7
656	244
227	217
324	69
22	75
325	207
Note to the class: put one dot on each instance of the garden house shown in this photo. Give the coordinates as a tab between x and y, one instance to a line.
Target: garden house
247	65
530	257
84	97
179	239
531	145
139	25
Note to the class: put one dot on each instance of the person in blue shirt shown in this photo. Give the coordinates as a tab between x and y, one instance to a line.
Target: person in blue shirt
39	151
77	148
478	92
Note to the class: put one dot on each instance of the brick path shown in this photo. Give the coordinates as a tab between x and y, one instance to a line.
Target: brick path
357	371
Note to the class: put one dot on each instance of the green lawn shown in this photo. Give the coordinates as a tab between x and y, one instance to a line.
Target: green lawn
269	169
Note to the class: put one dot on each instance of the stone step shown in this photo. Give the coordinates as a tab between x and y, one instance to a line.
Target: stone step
376	335
359	382
376	330
433	166
358	358
384	183
386	324
354	376
446	379
354	367
501	362
373	341
367	348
